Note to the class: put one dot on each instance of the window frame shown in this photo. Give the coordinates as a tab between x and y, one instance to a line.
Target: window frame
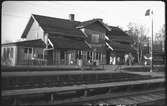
28	50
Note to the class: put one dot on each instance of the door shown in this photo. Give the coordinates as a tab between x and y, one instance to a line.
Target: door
49	57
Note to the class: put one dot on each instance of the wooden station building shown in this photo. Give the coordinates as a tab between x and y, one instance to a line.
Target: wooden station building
55	41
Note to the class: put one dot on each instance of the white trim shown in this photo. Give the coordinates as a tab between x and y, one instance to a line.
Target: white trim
50	43
36	22
83	31
88	44
109	46
106	37
39	26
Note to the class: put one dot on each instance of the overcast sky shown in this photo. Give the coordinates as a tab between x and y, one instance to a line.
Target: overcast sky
15	14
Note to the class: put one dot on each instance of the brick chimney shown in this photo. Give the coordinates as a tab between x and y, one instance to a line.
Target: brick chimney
71	17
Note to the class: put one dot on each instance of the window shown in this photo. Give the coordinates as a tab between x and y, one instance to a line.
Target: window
91	55
97	56
80	54
4	52
28	53
28	50
40	56
8	52
11	52
95	38
88	56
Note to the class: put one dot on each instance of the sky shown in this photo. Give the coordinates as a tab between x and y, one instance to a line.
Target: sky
15	14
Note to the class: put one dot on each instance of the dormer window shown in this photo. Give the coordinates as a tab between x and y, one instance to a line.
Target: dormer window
95	38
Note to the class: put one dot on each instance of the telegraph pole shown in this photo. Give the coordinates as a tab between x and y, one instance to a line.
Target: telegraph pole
151	42
149	12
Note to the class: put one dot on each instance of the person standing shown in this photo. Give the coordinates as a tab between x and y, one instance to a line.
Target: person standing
118	60
126	59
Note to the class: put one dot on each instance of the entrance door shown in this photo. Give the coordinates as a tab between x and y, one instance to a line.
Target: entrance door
108	54
49	57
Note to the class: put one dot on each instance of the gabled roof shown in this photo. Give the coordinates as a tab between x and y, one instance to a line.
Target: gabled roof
28	26
55	25
117	31
28	43
60	42
117	34
86	23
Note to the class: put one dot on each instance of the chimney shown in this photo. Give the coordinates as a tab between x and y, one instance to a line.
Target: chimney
71	17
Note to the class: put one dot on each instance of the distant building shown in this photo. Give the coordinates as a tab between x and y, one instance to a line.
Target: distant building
55	41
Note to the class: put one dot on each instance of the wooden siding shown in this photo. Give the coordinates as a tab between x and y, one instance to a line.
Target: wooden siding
35	32
98	46
89	33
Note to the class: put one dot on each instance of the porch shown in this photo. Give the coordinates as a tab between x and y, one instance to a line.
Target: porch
73	57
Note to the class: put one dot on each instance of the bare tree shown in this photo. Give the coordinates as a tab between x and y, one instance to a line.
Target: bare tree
160	38
138	34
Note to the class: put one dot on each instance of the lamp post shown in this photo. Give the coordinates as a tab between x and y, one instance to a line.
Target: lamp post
150	13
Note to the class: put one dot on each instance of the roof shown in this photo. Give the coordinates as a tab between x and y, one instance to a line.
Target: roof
117	31
117	34
28	43
28	26
60	42
86	23
121	47
55	25
121	38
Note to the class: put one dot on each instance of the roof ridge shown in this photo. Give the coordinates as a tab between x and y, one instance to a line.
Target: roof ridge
53	17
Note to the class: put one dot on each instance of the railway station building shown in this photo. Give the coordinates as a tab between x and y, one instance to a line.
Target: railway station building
55	41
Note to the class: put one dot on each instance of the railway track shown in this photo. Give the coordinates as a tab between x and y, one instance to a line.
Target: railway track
72	86
79	93
29	80
124	98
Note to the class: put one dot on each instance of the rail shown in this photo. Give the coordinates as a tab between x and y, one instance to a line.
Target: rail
76	87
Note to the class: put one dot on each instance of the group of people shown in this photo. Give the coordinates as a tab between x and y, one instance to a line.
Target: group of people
128	59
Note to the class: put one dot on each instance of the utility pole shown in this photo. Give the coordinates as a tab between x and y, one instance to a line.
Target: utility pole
150	13
151	44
